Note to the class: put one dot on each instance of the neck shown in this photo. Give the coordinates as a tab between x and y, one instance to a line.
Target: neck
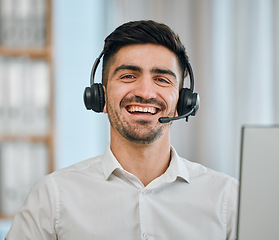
145	161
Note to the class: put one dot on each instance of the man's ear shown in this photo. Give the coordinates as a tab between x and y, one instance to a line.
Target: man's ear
105	110
176	113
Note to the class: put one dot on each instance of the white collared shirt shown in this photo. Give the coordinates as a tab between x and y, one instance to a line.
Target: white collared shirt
97	199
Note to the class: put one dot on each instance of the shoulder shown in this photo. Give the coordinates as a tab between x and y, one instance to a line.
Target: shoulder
91	165
216	184
197	170
70	176
201	175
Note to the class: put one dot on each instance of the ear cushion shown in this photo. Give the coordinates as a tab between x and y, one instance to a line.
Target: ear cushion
97	97
101	98
187	101
87	98
94	97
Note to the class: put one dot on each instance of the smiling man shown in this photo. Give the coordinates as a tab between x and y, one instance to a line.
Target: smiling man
139	188
143	85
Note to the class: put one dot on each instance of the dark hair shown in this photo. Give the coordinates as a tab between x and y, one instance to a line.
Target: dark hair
142	32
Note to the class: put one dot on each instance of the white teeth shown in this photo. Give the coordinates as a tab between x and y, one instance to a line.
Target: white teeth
151	110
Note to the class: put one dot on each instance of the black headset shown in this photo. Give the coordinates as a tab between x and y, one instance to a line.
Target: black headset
188	102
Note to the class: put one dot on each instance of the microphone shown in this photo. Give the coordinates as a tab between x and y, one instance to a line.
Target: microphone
168	119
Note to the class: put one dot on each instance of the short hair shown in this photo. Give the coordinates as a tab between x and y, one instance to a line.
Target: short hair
143	32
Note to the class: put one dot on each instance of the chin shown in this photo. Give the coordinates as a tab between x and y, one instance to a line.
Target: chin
141	138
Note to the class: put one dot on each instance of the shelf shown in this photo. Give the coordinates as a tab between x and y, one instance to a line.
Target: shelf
32	52
3	216
20	145
28	138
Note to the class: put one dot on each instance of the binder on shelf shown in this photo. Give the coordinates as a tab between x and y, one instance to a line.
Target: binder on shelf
41	96
22	164
23	23
39	20
36	98
25	93
28	111
9	187
7	24
25	96
15	96
3	96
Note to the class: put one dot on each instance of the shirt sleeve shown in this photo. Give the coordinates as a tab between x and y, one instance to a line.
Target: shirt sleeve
36	218
232	208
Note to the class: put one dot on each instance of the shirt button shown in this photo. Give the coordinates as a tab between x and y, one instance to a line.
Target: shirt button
145	236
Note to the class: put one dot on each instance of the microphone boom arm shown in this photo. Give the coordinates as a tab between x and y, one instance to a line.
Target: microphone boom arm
168	119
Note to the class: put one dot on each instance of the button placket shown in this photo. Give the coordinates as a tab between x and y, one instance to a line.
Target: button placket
145	216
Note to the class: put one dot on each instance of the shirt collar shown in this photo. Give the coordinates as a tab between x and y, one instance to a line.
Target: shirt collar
109	162
177	167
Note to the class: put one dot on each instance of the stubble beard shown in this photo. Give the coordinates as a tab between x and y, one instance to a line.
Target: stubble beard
134	132
139	131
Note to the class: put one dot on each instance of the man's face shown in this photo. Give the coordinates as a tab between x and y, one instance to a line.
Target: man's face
143	85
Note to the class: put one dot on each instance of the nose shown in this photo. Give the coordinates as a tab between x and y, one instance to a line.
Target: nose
145	88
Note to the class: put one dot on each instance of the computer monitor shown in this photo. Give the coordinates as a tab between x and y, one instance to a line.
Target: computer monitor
258	206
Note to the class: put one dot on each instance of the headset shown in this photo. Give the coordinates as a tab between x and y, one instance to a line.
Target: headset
188	101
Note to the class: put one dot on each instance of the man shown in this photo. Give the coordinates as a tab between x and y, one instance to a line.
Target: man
140	188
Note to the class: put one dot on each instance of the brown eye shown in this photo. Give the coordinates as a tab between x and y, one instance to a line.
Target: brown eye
162	81
128	77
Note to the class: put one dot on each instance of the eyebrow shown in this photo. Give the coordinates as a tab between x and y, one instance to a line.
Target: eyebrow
164	71
127	67
139	69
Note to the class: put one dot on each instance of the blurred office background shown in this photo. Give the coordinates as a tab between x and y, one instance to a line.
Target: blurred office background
232	46
233	49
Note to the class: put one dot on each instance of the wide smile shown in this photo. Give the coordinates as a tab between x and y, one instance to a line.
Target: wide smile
142	110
